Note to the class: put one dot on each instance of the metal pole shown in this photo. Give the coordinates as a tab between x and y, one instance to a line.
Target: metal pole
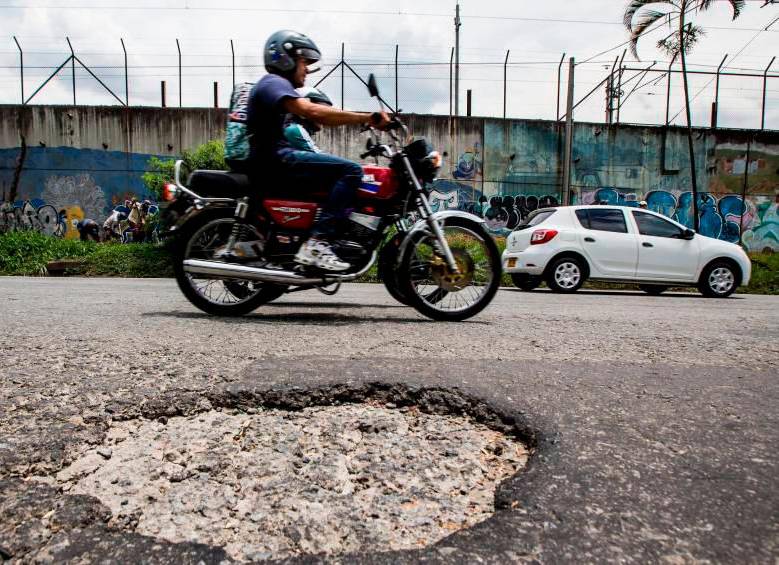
178	47
668	94
744	192
505	81
73	68
21	66
457	24
559	70
619	83
468	102
343	70
451	64
765	82
216	94
567	156
232	51
715	106
396	77
126	76
610	92
162	93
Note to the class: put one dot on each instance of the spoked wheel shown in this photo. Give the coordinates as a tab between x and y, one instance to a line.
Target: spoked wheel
433	289
221	297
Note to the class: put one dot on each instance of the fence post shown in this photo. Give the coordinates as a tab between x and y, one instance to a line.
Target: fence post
715	105
559	70
162	93
765	82
468	102
216	94
668	95
126	76
21	66
396	77
343	70
178	47
505	80
567	156
73	68
232	52
744	192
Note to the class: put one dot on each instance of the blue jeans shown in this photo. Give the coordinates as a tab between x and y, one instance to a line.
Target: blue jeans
320	172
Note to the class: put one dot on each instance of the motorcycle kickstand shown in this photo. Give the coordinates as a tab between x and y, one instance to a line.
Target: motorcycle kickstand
329	292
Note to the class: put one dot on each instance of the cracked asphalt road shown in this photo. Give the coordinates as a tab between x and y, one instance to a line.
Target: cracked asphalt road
653	419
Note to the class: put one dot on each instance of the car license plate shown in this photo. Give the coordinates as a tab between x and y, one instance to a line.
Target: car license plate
512	262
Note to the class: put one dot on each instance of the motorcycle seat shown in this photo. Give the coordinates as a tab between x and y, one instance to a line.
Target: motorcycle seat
219	184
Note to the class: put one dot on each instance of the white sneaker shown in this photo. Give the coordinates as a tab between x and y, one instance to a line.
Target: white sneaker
319	254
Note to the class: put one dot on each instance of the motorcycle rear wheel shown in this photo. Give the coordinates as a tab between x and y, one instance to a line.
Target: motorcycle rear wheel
430	287
219	297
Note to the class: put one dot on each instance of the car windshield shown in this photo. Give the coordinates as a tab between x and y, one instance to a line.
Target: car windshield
536	218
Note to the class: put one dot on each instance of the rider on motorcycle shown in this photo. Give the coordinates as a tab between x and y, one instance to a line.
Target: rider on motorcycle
288	56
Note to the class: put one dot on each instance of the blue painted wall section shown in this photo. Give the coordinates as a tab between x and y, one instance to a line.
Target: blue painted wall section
76	183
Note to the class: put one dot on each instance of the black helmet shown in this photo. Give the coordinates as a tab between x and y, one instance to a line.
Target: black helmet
284	47
315	95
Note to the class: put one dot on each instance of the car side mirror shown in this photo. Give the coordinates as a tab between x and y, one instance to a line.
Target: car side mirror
688	234
373	88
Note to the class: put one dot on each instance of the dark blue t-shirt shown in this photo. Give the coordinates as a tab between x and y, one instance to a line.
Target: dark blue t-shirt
265	120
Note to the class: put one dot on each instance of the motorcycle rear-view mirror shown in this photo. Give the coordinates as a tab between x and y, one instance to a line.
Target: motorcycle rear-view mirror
373	88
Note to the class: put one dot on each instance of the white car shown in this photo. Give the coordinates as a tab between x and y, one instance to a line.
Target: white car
565	246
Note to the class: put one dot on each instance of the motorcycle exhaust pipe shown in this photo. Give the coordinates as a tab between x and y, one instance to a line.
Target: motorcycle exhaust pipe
233	271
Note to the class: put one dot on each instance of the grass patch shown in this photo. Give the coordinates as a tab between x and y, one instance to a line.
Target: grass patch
28	253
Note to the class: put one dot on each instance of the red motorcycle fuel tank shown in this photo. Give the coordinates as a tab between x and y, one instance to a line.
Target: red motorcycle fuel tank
291	214
377	182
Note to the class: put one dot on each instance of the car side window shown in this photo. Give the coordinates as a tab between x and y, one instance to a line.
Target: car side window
649	224
608	219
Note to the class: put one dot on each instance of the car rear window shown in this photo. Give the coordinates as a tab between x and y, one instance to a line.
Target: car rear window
605	219
536	217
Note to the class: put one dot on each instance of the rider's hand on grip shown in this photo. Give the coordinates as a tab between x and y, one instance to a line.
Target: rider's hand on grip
380	120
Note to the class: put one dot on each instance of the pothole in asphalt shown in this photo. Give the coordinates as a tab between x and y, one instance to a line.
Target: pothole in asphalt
276	483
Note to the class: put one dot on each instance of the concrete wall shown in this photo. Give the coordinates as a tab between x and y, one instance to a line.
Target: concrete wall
88	159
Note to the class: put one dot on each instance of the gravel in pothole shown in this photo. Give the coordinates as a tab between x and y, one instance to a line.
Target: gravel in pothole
275	483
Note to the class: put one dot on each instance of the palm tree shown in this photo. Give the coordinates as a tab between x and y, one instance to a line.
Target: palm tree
677	44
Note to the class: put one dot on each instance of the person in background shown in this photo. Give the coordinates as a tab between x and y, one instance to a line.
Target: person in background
88	230
642	204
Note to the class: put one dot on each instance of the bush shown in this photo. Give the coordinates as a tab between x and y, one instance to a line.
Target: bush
208	156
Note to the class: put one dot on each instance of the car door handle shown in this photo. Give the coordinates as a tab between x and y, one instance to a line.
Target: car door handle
589	240
647	244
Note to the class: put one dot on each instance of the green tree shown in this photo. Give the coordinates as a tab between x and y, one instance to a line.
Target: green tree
210	155
678	43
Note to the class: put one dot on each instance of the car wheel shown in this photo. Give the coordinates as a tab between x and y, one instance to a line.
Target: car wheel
526	282
566	275
718	280
653	289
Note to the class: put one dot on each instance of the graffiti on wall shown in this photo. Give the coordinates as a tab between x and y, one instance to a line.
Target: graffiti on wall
34	215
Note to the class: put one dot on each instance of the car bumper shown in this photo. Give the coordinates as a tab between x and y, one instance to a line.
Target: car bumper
528	261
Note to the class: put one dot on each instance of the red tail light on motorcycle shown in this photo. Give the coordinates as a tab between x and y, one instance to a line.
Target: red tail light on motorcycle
542	236
169	192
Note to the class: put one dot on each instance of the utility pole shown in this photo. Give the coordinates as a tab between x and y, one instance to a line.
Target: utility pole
457	24
568	148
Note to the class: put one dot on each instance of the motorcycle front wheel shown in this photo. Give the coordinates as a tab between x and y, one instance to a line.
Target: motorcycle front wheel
220	297
433	289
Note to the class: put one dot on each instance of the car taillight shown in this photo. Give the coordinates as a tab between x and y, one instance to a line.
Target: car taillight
169	192
542	236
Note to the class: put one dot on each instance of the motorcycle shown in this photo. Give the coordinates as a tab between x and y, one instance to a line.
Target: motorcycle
237	244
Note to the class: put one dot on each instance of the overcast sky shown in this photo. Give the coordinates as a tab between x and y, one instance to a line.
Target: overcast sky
533	31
